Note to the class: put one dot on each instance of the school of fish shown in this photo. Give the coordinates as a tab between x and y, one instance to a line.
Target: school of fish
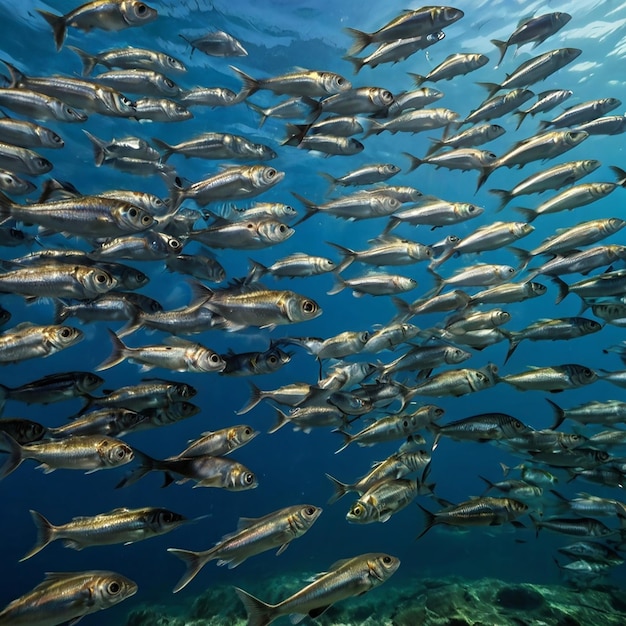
81	255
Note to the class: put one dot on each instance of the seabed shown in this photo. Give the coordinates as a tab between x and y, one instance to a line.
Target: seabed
419	602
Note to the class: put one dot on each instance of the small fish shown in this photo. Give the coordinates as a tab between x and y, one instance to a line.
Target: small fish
553	378
217	44
28	341
383	500
254	363
117	526
454	65
253	536
22	430
546	101
220	442
68	597
108	15
482	428
344	579
375	284
54	388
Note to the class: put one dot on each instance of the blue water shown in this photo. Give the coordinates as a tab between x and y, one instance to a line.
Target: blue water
290	465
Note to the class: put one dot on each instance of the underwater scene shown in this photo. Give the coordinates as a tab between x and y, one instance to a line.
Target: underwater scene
300	299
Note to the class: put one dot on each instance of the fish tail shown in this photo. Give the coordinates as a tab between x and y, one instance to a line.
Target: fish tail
436	144
502	47
489	484
16	77
147	464
58	24
563	288
430	520
167	149
257	109
375	128
348	255
492	88
309	207
418	79
391	224
356	61
543	125
99	148
6	206
132	326
504	195
89	61
404	310
559	414
61	311
259	613
255	398
529	214
505	469
45	534
522	116
256	272
281	419
194	562
331	180
620	173
484	175
9	445
4	392
295	134
118	354
415	161
341	489
176	190
514	341
339	285
347	439
439	283
361	40
250	85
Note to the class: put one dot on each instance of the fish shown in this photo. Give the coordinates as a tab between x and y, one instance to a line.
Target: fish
456	64
414	23
216	43
108	15
480	428
220	442
383	500
117	526
366	175
68	597
546	101
346	578
552	378
254	363
23	430
28	341
535	30
253	536
581	113
498	106
81	452
111	422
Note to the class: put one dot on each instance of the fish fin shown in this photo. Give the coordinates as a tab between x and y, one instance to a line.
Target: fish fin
559	414
502	47
492	88
356	61
99	148
341	489
194	562
281	419
316	612
250	85
73	544
165	147
8	444
347	439
418	79
339	285
514	341
361	40
282	548
415	161
528	214
309	207
45	534
119	353
430	519
58	24
255	398
504	195
259	613
89	61
563	288
147	465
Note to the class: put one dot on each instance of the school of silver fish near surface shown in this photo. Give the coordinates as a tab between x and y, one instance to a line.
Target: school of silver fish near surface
78	259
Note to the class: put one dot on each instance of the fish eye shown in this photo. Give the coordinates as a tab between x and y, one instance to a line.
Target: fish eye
180	109
308	306
146	219
247	431
65	332
439	411
215	358
603	455
386	560
141	9
41	162
8	180
101	278
272	359
518	424
169	83
471	208
405	423
453	239
282	228
357	510
271	173
132	212
250	225
114	587
56	138
340	80
575	437
309	510
174	243
120	453
125	101
510	270
248	478
387	95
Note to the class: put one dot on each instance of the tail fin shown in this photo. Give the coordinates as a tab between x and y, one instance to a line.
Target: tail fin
356	61
348	255
59	29
504	195
347	439
259	613
361	40
514	341
6	205
522	116
559	414
194	562
89	61
563	288
255	397
147	464
119	353
8	444
45	534
341	489
529	214
502	47
250	85
256	272
620	173
282	418
99	149
430	519
309	207
493	88
415	161
331	180
418	79
165	147
61	311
